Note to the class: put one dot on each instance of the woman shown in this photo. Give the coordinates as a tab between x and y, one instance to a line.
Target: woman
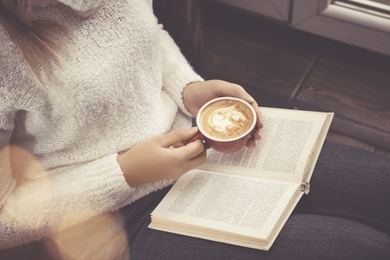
90	90
94	96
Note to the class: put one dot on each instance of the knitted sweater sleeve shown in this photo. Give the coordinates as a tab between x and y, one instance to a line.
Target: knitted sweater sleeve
31	209
177	72
34	207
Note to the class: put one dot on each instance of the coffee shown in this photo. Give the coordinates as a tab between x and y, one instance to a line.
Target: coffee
226	119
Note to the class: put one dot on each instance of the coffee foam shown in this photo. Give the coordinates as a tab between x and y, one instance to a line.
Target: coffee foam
226	119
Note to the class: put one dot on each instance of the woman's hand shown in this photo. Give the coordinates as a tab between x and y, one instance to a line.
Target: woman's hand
198	93
162	157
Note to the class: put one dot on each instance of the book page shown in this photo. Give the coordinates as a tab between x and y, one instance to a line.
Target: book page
228	203
289	139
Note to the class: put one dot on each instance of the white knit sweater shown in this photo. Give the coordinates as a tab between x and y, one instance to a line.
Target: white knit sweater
121	84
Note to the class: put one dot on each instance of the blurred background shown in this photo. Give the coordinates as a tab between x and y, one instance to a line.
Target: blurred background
306	54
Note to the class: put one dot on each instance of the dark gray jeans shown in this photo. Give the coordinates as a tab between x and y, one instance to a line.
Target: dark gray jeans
346	215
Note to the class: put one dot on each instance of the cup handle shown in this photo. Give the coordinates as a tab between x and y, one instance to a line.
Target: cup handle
199	136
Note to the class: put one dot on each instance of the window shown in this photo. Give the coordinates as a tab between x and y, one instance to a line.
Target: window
364	23
374	7
358	22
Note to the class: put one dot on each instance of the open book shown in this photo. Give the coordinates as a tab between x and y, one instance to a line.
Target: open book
245	198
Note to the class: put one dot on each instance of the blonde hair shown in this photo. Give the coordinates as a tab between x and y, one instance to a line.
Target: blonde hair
38	42
36	39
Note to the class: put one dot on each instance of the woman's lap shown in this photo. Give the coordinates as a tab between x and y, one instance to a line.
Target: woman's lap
304	236
346	214
350	183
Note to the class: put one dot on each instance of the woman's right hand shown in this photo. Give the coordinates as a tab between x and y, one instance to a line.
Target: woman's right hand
163	157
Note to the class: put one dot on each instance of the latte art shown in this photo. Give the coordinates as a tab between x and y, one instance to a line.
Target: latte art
226	119
227	122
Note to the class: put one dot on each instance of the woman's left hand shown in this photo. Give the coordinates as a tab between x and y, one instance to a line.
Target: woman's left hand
198	93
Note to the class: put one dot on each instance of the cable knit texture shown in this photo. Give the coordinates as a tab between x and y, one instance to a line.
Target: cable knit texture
121	84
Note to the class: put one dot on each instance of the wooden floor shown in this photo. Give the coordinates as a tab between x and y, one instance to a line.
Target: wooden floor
283	67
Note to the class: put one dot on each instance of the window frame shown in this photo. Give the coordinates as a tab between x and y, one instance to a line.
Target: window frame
322	18
343	24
